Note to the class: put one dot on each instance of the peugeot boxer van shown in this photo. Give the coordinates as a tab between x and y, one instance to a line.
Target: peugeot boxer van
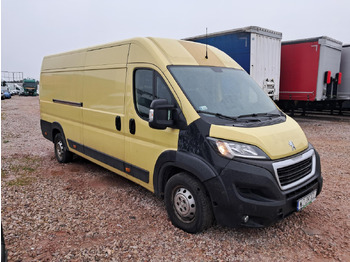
186	122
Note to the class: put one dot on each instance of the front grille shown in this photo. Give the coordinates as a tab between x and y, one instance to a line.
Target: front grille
294	171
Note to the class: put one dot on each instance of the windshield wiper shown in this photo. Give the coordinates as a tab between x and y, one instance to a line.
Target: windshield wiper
259	114
250	117
217	115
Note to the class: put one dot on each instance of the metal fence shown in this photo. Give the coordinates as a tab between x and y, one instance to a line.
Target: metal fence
12	77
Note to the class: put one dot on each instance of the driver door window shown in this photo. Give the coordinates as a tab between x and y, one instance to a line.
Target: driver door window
149	85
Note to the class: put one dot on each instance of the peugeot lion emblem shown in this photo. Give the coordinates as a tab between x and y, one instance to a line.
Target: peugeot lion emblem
292	145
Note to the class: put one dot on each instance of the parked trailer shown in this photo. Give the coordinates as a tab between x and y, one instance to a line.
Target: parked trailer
344	89
256	49
310	69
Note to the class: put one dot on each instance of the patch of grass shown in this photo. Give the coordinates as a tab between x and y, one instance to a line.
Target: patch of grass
3	173
21	181
28	169
5	141
22	169
32	160
19	169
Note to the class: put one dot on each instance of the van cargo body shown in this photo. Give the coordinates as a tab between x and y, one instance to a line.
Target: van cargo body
186	122
310	69
344	88
256	49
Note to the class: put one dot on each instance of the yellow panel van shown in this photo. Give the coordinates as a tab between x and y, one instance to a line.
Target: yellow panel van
186	122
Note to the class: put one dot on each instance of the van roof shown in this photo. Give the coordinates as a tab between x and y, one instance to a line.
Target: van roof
180	52
159	51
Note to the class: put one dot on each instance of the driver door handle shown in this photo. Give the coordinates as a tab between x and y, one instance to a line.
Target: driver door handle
118	123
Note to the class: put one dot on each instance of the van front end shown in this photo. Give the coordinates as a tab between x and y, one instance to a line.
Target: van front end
254	161
248	187
257	193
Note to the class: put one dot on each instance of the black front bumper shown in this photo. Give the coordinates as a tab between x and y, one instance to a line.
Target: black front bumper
250	188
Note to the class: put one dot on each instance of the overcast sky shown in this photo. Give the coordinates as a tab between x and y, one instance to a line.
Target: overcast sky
32	29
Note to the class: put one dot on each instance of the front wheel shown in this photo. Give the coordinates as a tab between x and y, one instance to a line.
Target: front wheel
63	155
188	204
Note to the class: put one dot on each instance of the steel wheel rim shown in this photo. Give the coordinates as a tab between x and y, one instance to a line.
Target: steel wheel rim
59	149
184	204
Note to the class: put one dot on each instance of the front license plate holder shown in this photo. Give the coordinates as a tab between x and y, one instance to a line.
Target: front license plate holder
306	200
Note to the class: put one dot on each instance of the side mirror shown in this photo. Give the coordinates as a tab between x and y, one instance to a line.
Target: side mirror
161	114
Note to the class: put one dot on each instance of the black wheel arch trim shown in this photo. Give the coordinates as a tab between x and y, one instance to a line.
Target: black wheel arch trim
181	161
49	130
46	129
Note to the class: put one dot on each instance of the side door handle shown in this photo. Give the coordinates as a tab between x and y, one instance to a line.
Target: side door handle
118	123
132	126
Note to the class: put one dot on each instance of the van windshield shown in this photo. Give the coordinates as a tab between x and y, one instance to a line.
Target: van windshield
224	92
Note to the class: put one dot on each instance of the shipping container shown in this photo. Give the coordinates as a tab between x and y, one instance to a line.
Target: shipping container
310	69
256	49
344	88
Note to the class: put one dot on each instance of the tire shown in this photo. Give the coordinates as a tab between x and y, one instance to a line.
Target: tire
63	155
187	203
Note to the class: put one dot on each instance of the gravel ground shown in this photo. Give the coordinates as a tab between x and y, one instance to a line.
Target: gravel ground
82	212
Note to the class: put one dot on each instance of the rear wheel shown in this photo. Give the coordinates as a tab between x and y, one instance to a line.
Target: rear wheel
187	203
63	155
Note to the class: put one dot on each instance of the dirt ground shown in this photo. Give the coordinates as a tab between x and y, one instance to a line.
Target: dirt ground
82	212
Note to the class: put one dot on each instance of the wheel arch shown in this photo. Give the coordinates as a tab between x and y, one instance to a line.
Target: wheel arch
57	128
50	130
170	163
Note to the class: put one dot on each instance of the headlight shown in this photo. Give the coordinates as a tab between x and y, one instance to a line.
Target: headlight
232	149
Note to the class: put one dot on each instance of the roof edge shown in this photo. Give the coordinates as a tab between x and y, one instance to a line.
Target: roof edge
312	39
249	29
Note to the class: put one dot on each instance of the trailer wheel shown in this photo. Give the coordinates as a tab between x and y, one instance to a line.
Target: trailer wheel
187	203
63	155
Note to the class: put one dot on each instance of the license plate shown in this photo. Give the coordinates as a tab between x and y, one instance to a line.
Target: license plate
306	200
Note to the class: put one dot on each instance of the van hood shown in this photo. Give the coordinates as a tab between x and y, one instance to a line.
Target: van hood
275	140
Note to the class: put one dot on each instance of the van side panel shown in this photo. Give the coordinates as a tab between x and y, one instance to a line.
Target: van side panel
61	101
103	95
109	55
103	103
71	60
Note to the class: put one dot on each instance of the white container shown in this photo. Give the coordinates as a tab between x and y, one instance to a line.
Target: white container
344	87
